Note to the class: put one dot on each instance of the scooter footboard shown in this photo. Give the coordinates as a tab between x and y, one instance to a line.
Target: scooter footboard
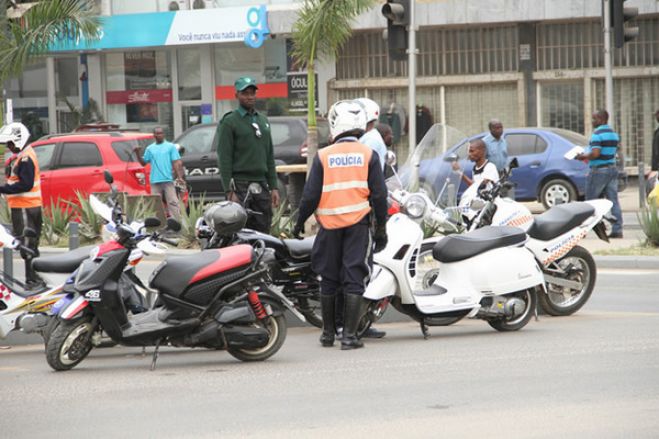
382	284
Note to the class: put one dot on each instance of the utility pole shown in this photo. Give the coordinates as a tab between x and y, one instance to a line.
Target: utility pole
411	72
608	61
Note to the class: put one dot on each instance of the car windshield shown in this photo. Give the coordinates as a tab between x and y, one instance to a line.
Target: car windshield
570	136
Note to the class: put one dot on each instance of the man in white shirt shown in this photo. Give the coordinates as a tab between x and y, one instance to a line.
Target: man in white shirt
372	138
483	171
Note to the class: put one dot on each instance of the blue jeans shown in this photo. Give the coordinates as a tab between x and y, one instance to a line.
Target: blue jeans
603	183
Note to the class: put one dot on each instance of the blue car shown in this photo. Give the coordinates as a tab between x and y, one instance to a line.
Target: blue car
543	174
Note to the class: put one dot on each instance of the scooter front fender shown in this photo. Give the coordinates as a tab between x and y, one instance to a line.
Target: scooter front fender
74	309
382	284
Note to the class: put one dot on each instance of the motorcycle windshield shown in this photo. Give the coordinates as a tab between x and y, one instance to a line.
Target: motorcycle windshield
429	168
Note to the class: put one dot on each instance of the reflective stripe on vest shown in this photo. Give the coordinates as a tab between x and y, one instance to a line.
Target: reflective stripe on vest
344	199
31	198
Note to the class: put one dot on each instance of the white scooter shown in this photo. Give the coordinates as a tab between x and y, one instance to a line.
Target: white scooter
569	269
486	274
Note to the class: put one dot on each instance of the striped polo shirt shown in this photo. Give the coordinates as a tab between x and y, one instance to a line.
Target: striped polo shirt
606	140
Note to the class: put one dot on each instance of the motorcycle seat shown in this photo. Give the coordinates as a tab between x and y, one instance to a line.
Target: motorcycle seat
454	248
299	248
62	263
174	274
559	219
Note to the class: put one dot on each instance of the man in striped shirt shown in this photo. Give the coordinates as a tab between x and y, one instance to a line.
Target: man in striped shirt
602	181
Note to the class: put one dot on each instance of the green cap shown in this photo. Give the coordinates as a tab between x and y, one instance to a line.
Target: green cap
244	82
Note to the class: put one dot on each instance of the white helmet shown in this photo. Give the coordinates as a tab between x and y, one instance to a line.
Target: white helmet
371	107
346	116
16	133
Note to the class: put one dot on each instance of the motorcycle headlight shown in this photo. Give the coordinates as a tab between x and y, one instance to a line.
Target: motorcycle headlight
415	206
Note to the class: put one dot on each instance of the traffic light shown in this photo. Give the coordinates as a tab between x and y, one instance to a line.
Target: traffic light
397	13
620	15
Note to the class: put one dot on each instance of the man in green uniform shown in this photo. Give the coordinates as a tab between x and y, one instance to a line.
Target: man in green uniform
245	155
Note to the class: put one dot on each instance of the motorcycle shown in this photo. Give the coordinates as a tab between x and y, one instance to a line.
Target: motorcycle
25	309
569	269
486	273
291	273
214	299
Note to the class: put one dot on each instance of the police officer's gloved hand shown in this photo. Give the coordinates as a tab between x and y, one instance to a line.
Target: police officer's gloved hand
380	238
298	230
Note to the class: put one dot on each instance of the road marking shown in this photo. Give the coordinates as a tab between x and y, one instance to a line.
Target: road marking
627	271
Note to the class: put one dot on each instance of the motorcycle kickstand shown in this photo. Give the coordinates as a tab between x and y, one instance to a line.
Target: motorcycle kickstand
424	329
155	355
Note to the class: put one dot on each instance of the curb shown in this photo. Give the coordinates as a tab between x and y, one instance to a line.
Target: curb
628	262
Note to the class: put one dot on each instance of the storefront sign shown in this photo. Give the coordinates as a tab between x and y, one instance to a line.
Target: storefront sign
138	96
297	91
198	26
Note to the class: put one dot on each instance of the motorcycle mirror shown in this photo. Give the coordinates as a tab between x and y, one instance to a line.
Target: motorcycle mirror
390	158
254	188
152	222
29	232
173	225
180	148
108	177
513	163
453	157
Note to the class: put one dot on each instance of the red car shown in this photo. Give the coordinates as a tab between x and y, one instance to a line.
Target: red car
75	162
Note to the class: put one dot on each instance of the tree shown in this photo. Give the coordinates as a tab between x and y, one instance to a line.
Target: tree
32	35
321	29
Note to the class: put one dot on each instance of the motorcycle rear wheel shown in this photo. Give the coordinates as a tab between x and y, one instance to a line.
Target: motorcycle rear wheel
506	324
69	344
276	325
561	301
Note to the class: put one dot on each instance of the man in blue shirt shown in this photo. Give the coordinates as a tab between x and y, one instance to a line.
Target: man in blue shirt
163	156
372	137
497	149
602	181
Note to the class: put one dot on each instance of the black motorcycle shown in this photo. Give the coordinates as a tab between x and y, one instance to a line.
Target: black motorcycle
214	299
222	225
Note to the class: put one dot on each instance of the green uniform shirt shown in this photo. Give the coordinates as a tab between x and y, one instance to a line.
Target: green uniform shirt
242	155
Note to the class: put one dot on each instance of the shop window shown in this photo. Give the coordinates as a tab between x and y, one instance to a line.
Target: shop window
79	154
189	78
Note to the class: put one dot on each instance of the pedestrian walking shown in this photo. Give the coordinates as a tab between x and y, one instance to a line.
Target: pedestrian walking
655	145
345	185
602	180
23	193
163	157
497	148
245	154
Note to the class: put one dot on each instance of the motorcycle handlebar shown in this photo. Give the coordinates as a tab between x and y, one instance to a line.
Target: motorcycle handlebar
169	241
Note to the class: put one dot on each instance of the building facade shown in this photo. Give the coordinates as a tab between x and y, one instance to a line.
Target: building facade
525	62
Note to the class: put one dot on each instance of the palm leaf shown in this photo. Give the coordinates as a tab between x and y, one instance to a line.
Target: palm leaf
41	27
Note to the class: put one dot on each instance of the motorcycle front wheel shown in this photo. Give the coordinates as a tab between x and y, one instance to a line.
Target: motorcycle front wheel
578	265
514	323
69	343
276	326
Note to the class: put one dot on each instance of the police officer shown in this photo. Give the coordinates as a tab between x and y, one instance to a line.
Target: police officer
345	184
246	155
23	193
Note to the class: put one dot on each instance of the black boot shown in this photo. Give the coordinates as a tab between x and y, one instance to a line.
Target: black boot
353	314
327	304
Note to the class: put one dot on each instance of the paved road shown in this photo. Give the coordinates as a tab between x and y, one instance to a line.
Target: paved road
595	374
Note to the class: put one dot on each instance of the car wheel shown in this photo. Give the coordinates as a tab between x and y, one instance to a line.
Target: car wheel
557	191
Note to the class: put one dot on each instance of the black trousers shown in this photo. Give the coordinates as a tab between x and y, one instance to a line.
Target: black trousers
343	258
21	219
257	202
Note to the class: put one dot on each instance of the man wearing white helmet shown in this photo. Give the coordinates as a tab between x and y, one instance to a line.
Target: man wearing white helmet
372	137
345	185
23	193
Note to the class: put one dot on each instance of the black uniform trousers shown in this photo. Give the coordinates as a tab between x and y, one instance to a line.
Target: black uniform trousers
343	258
257	202
20	219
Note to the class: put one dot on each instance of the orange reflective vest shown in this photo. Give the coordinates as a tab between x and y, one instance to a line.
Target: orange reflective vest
344	199
31	198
